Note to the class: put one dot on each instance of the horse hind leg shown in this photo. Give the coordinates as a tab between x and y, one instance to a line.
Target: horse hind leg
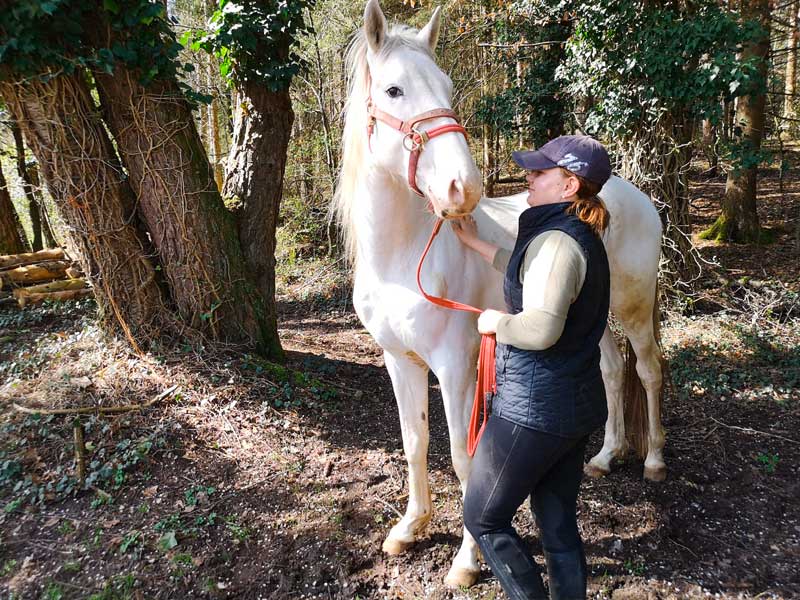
410	382
644	425
614	443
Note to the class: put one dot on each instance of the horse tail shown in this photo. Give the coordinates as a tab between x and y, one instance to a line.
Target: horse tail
633	393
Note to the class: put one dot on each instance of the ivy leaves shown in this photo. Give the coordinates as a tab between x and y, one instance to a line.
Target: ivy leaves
38	37
254	40
45	37
644	59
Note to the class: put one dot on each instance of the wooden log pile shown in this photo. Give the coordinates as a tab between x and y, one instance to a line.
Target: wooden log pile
34	277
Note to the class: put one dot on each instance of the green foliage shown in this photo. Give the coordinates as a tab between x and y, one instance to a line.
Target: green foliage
535	95
290	388
53	591
641	59
47	37
131	542
43	36
768	461
119	587
167	541
109	466
254	41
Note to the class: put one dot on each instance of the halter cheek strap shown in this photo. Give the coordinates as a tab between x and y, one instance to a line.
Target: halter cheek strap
414	139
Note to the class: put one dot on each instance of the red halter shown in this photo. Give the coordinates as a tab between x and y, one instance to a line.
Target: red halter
415	139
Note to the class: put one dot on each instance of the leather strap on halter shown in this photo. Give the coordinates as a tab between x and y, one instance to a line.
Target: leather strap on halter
415	139
486	385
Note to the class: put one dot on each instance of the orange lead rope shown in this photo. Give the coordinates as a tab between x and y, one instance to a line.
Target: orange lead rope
487	382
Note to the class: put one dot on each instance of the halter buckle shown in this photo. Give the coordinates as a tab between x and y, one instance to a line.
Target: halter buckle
411	143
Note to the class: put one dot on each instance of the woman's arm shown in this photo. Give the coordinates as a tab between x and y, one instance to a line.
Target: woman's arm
553	274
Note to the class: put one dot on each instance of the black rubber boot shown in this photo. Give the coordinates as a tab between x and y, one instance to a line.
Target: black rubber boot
566	572
513	566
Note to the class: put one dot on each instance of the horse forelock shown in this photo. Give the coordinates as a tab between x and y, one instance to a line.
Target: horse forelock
354	136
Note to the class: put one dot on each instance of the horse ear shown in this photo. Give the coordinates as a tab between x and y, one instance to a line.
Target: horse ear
374	25
430	33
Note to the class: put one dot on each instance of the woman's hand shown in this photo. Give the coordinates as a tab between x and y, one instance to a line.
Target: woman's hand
488	320
466	230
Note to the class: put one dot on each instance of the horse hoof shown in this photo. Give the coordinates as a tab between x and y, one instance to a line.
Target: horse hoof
655	473
595	471
395	547
460	578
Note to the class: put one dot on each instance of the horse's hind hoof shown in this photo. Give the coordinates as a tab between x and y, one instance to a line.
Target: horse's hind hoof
460	578
655	473
395	547
594	471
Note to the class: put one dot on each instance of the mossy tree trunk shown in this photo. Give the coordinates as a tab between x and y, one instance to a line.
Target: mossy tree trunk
60	122
256	164
738	221
12	236
178	200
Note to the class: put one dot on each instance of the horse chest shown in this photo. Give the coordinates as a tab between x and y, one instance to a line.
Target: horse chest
396	316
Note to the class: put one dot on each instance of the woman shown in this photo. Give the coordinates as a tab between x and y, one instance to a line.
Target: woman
550	395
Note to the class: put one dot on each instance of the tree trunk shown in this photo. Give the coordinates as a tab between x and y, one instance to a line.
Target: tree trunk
738	221
213	128
12	236
791	63
710	146
178	200
60	123
50	240
256	165
39	224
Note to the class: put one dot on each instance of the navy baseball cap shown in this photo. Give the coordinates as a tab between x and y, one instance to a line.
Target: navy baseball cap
580	154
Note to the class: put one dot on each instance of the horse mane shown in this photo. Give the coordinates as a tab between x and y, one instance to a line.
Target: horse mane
354	136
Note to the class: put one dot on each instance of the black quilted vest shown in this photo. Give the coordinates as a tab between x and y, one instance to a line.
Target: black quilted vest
558	390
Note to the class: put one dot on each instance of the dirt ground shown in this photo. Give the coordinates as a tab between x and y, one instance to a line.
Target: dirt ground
251	480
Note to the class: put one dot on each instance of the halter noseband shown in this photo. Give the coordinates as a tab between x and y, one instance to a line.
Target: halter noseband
414	139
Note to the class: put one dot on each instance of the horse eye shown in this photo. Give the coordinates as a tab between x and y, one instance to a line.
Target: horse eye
394	92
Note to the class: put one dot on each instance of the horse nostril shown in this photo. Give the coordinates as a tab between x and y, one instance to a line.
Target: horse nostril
455	193
445	213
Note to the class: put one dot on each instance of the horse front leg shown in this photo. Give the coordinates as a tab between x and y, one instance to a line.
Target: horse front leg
458	389
410	382
614	444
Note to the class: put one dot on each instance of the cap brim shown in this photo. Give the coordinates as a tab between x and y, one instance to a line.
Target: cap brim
532	160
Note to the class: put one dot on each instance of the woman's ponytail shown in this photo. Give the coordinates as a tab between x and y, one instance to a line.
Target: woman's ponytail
588	207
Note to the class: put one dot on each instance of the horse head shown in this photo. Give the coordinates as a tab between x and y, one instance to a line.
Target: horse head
409	99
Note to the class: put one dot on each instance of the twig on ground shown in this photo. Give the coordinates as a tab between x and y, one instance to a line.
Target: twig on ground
94	409
749	430
682	546
389	506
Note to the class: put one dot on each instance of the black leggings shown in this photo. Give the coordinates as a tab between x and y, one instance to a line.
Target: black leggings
513	463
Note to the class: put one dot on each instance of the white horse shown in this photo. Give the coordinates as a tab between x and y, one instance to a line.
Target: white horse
386	226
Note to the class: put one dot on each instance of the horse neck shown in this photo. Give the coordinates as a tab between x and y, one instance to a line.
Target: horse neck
392	224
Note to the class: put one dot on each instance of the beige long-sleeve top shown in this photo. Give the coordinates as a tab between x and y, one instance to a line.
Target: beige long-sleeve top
552	275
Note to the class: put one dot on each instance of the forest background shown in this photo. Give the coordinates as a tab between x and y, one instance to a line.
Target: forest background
185	155
215	92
